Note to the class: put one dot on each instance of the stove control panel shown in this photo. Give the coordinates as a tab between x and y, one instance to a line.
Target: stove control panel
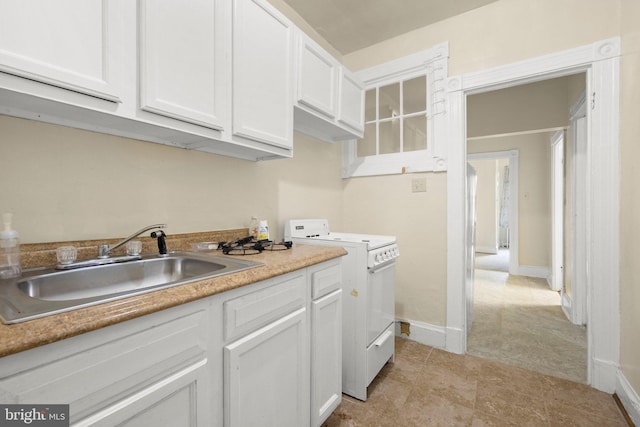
382	255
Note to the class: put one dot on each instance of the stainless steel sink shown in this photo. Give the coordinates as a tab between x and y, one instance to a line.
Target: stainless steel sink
45	292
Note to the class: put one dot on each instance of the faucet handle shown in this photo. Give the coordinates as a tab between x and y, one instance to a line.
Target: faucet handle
103	251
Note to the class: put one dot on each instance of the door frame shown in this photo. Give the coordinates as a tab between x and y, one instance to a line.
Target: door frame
557	211
575	305
601	63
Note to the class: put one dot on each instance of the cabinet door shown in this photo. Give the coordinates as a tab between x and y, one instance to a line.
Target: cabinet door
326	356
177	400
73	45
182	60
351	101
317	75
262	70
267	375
133	373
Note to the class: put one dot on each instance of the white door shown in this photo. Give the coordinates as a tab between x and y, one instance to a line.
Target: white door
557	211
266	376
472	184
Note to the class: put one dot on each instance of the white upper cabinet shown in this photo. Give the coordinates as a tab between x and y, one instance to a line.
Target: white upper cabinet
317	77
351	101
182	60
220	76
329	99
262	70
39	40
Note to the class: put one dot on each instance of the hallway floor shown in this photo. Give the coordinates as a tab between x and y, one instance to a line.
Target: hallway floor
431	387
518	320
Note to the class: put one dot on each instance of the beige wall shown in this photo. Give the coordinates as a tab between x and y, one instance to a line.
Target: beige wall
64	184
500	33
511	30
486	205
630	195
125	184
386	205
535	106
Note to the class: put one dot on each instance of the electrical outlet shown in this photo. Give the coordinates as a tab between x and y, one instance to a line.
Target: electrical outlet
419	185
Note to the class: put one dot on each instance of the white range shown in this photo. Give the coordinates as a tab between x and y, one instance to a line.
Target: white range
368	309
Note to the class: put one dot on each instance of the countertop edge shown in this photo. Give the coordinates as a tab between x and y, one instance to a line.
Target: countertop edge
24	336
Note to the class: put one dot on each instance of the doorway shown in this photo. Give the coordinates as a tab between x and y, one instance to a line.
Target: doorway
601	204
497	227
518	318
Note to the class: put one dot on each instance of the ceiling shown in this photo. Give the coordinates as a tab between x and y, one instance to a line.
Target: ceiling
350	25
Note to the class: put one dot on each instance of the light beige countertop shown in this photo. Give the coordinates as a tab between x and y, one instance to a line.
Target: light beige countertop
24	336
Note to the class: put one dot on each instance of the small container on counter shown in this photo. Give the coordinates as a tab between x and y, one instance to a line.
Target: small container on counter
263	230
9	250
254	227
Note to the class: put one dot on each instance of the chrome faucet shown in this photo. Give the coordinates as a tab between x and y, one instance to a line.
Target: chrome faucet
104	250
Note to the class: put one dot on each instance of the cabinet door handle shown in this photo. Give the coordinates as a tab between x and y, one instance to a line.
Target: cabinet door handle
383	339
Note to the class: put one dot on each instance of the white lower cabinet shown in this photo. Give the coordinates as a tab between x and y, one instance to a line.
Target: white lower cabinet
153	370
266	354
326	340
267	375
326	356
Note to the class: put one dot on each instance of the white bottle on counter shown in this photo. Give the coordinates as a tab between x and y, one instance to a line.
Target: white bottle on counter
263	230
9	250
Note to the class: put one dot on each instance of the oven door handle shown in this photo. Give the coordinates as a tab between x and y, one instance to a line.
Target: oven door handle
382	268
383	338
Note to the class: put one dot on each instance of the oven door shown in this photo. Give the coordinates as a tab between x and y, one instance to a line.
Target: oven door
381	301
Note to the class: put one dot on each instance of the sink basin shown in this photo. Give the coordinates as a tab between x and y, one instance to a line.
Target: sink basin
47	292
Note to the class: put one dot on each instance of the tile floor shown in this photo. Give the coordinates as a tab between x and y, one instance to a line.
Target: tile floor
430	387
518	320
518	328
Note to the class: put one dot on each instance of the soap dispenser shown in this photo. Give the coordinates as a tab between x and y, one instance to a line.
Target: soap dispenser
9	250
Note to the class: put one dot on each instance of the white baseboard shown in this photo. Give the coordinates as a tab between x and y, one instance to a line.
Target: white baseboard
534	271
629	397
493	250
604	375
424	333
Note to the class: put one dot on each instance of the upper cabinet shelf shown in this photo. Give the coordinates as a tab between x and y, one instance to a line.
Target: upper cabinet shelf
217	75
